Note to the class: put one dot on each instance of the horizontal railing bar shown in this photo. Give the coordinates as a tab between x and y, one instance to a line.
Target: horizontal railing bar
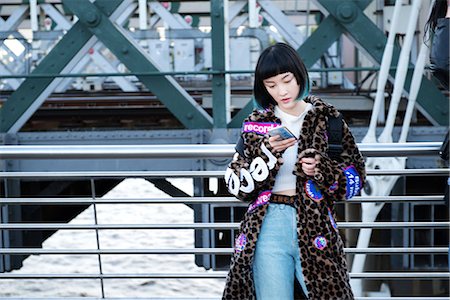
378	250
224	251
174	73
196	298
129	298
137	298
215	275
355	225
211	275
398	298
436	199
188	150
399	250
402	275
116	151
409	172
193	174
180	200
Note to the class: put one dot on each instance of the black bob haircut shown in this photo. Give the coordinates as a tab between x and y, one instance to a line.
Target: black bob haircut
277	59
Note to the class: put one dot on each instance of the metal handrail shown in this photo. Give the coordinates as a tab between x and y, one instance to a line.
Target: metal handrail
343	225
225	251
188	151
193	174
197	298
436	199
214	275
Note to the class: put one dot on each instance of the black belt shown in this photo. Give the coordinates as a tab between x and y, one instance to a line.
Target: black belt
283	199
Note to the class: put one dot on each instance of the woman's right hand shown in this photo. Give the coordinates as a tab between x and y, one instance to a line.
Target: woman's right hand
280	145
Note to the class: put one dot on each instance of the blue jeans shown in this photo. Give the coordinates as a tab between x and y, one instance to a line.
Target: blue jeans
277	255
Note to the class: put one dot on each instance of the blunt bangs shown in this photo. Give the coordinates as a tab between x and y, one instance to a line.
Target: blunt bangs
277	59
274	64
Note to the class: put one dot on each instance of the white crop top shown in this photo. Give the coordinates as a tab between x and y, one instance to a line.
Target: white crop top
285	179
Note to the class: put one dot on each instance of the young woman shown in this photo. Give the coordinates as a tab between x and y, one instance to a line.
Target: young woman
291	185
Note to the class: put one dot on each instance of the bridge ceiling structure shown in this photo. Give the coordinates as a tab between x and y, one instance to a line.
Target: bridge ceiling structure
100	24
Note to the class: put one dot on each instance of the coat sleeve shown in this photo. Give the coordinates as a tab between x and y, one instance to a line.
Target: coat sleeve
343	178
252	172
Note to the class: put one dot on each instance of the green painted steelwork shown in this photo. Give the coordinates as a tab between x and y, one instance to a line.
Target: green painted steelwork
237	120
219	81
21	101
347	16
364	32
319	41
183	73
176	99
310	51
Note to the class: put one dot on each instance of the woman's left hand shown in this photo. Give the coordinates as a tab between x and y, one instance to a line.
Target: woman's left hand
308	165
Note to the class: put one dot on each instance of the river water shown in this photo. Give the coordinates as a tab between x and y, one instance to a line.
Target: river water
120	239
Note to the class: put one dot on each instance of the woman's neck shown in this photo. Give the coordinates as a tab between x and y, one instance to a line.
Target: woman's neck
297	109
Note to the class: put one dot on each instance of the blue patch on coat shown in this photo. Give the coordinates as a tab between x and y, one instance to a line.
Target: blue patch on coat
313	191
332	221
353	182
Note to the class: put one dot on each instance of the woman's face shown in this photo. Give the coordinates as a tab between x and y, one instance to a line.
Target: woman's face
284	89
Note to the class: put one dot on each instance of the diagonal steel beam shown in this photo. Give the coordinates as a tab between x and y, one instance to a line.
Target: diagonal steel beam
33	91
12	82
176	99
371	40
169	18
57	16
83	62
106	66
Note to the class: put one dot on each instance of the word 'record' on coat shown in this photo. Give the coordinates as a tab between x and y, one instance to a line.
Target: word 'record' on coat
250	177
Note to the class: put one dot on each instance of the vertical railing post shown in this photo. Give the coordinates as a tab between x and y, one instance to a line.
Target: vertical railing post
97	238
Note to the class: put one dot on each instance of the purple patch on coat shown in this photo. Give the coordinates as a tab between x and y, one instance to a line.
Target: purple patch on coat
263	198
259	127
320	242
313	191
240	242
333	187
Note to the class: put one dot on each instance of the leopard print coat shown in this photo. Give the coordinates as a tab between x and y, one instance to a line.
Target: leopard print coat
251	177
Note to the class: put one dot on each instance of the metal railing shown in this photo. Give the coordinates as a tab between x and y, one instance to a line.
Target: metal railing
204	152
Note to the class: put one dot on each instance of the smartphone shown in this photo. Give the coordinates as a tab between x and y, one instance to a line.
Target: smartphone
283	132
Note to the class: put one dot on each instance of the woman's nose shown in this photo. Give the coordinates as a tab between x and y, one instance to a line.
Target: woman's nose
282	90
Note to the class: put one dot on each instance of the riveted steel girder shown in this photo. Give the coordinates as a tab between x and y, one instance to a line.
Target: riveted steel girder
26	99
352	20
176	99
220	82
